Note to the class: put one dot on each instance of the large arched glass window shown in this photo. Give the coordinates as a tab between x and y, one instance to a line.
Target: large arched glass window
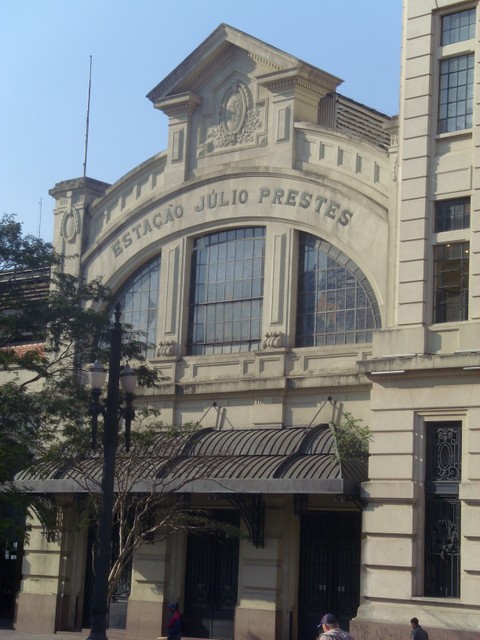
226	292
138	299
336	304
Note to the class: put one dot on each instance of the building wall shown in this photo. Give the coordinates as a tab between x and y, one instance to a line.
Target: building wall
434	379
285	172
53	575
290	175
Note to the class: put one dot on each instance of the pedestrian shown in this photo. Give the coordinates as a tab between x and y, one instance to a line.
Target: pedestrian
174	622
329	629
417	632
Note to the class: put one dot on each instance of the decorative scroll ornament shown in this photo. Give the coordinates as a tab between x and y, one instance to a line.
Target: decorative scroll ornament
445	535
70	227
238	118
395	170
273	340
166	348
447	455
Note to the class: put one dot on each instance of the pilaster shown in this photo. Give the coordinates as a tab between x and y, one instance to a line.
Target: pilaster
73	198
179	109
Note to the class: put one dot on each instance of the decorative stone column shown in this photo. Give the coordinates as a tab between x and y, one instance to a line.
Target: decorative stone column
179	109
73	198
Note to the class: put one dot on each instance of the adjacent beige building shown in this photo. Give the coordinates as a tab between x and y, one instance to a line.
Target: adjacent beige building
296	256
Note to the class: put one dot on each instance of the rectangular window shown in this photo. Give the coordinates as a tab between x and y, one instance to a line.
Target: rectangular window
442	510
451	267
452	214
455	104
457	27
226	292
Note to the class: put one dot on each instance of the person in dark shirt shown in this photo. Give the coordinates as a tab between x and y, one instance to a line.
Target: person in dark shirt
174	622
417	633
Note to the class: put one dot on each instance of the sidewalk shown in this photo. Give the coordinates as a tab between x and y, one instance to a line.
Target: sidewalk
10	634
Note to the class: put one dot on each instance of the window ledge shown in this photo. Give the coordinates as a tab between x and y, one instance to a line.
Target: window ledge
461	48
461	133
436	600
452	235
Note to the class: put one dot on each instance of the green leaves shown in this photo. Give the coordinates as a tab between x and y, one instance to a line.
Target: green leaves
51	325
18	253
41	391
352	439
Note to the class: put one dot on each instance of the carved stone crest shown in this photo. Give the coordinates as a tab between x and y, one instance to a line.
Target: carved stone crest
238	118
70	227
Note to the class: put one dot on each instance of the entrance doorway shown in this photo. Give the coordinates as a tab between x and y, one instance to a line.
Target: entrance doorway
329	579
10	578
211	581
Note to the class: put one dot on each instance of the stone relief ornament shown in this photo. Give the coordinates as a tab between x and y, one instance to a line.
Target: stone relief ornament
166	348
273	340
238	118
70	226
395	170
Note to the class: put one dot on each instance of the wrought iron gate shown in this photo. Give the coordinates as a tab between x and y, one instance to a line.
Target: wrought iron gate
329	572
211	582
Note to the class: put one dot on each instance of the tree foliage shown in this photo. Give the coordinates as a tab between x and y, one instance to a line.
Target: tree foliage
46	338
147	506
40	388
48	320
352	438
20	253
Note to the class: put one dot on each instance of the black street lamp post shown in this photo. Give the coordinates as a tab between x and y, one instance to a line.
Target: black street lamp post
112	412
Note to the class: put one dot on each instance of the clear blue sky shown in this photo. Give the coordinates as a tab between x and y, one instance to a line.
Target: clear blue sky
45	47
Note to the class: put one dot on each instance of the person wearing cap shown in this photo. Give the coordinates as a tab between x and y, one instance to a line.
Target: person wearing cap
174	622
417	632
329	629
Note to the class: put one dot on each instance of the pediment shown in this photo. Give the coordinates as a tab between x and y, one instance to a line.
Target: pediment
229	46
236	93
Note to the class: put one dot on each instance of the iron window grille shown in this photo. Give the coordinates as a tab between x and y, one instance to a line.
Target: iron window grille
442	511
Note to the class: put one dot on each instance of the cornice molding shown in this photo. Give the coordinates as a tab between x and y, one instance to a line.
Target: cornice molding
318	83
180	103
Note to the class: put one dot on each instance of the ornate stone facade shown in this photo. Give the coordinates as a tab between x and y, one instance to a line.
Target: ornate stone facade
259	140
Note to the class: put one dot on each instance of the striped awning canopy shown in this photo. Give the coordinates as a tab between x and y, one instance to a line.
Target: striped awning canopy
260	461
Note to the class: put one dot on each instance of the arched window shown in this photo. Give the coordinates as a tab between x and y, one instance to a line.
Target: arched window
336	304
138	299
226	292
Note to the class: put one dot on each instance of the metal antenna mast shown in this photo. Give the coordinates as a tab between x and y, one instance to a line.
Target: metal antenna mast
88	120
39	217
